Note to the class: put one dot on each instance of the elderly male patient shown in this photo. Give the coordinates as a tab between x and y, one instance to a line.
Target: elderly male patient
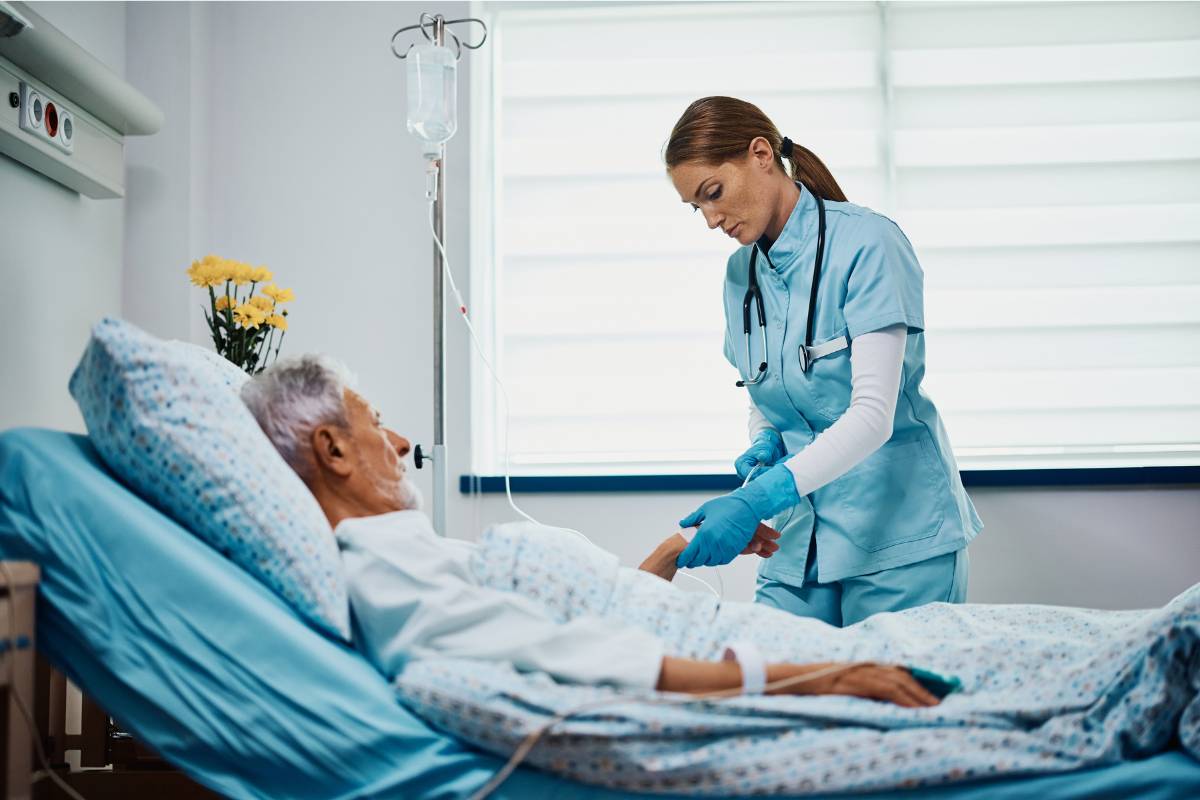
412	591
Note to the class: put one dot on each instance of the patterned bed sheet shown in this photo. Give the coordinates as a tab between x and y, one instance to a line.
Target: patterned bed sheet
1045	689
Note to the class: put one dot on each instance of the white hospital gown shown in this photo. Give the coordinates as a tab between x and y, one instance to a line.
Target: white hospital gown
413	596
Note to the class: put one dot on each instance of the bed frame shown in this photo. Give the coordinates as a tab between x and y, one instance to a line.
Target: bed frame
112	764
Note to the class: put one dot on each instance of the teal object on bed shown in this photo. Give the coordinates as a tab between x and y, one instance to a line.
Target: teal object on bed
212	670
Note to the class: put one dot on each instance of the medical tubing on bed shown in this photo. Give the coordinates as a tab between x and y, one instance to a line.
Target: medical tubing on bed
466	318
12	682
533	738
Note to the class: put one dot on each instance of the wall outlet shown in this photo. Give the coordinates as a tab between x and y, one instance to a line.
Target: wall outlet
43	116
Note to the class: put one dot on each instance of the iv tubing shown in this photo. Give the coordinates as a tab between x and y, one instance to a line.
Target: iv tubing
466	317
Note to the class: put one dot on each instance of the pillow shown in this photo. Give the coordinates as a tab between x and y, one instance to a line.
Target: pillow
166	417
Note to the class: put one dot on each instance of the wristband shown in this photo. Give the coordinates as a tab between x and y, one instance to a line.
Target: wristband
754	668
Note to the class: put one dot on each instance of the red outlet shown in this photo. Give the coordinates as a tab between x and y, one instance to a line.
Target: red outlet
51	120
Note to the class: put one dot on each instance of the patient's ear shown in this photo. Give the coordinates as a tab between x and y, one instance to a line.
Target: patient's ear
331	450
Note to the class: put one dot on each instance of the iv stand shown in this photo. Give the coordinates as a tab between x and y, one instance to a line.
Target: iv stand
439	327
438	23
439	341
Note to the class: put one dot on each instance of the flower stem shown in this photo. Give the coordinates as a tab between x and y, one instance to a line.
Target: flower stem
265	341
229	329
267	351
212	325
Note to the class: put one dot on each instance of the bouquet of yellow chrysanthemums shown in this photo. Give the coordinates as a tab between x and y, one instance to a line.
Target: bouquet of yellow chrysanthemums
243	324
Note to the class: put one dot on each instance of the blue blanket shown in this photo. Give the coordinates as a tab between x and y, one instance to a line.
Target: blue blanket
1046	689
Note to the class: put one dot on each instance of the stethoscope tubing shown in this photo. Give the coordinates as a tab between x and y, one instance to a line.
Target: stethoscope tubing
754	296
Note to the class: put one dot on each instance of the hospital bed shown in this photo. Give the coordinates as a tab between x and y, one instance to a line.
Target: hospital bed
207	667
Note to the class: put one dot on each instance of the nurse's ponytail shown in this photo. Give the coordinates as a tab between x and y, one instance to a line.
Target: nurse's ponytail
714	130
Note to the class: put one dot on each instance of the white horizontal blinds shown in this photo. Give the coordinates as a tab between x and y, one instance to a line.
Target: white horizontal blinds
608	287
1043	158
1047	169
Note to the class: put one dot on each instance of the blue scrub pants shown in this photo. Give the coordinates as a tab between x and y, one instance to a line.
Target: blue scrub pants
941	579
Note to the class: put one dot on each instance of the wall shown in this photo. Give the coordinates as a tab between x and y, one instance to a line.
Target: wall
60	263
285	145
166	174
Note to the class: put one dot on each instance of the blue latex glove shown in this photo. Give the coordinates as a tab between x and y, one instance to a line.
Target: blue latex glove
727	523
767	449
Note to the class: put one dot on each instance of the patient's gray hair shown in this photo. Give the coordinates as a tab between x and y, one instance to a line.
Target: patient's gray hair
295	396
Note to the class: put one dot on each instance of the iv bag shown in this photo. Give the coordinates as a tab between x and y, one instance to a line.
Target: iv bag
432	93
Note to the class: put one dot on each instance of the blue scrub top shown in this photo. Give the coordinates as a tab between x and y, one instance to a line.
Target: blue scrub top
905	502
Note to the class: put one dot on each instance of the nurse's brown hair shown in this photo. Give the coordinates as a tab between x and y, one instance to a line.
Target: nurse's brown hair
714	130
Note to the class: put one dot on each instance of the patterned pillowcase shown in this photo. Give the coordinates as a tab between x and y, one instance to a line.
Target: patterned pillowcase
166	417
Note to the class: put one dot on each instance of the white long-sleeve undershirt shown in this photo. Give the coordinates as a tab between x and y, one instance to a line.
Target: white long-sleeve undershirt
876	362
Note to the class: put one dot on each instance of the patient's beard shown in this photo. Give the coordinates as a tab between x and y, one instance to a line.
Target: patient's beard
410	496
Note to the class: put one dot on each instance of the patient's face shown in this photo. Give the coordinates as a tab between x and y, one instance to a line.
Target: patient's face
380	474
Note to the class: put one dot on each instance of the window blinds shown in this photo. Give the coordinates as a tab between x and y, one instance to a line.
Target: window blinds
1044	159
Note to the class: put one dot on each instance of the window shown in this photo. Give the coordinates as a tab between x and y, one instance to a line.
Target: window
1044	159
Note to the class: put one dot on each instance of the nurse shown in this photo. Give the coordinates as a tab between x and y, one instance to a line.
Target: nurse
849	458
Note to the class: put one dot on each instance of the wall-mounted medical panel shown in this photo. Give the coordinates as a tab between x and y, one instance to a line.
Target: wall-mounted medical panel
58	139
45	117
62	112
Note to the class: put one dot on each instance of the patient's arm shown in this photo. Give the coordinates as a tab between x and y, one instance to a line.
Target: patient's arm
662	561
872	681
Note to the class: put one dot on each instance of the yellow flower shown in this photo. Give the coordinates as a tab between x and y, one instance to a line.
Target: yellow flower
196	274
217	266
279	295
248	316
223	302
238	272
262	303
213	271
203	274
276	321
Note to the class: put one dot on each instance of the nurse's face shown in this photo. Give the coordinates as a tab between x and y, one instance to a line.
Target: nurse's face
738	197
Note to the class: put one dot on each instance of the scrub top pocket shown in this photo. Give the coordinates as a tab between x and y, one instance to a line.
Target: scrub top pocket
893	497
829	379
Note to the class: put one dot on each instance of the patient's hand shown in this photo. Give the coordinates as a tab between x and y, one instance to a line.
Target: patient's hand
764	542
662	561
891	684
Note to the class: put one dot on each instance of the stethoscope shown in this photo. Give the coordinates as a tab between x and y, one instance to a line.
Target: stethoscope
754	296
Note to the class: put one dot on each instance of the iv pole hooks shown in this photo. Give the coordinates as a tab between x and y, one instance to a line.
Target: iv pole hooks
433	20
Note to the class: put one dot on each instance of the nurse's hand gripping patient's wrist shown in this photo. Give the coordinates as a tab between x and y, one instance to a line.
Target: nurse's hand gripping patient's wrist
727	523
662	561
